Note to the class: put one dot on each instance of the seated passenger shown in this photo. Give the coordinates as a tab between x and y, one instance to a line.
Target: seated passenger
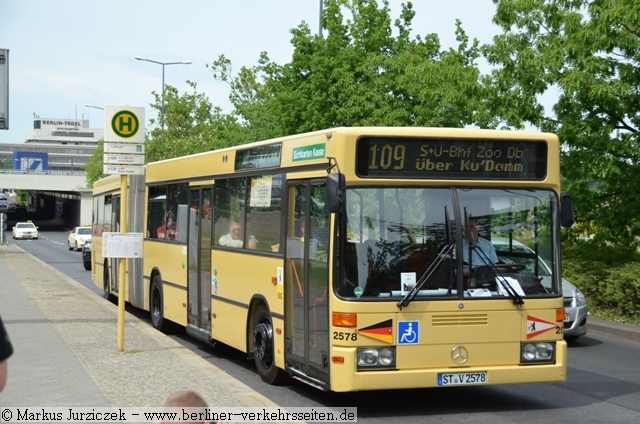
235	237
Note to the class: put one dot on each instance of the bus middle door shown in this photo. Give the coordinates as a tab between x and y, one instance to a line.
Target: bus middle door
306	282
199	263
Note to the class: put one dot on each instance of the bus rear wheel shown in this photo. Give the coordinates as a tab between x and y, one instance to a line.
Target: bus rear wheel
156	306
264	349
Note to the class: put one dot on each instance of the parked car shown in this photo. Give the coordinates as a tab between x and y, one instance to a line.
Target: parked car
4	205
25	230
78	237
3	197
575	303
86	255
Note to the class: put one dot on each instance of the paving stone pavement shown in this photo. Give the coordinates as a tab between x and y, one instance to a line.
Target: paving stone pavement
65	343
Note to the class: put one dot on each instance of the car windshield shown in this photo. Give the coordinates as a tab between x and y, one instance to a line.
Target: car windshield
397	238
84	231
26	226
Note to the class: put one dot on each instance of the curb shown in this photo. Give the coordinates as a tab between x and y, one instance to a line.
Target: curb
622	330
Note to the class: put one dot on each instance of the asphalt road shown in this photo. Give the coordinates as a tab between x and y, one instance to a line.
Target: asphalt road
603	383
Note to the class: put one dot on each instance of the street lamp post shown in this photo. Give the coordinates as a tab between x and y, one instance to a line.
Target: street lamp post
184	62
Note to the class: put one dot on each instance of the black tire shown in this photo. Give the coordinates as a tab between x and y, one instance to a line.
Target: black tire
87	265
69	245
77	248
106	292
156	307
264	349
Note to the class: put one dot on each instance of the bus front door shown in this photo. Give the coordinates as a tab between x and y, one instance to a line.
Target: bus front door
199	260
306	283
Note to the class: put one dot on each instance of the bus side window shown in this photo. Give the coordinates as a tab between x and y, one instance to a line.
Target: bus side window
264	212
230	195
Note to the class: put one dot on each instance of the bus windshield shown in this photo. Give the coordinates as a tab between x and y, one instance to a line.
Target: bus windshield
397	238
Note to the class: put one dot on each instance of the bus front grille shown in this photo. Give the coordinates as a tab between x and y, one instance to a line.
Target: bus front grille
459	320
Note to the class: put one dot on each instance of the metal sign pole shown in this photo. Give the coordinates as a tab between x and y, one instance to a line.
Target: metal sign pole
123	125
122	275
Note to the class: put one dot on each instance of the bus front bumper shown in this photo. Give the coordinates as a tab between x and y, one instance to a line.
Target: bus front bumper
345	377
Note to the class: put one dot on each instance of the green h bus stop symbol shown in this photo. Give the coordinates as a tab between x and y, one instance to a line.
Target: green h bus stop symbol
125	124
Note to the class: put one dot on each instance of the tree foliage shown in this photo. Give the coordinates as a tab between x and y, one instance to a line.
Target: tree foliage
608	276
192	125
587	54
94	165
364	70
360	73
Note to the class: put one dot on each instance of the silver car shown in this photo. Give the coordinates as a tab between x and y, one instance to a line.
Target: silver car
575	303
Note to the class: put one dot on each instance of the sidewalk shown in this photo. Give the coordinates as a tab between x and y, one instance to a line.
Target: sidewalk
65	348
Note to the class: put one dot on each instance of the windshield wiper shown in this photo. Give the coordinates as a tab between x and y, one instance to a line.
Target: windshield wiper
440	256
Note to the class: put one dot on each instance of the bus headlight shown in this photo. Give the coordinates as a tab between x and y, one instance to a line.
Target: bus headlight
373	357
537	352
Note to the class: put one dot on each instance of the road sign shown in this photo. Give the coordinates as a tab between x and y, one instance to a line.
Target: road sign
123	169
123	148
124	159
124	124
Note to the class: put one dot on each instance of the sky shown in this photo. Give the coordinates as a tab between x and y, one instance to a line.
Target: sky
64	54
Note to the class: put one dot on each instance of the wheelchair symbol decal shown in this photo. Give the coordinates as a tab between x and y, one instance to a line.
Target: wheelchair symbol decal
408	332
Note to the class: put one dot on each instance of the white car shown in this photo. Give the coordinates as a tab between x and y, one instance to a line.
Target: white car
25	230
78	237
575	303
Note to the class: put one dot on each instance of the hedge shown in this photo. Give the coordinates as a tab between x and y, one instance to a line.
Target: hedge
608	276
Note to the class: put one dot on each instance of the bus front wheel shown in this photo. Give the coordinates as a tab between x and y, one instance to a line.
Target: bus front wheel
156	307
263	348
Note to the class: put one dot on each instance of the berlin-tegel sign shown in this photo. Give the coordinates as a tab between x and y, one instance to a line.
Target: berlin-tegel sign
123	126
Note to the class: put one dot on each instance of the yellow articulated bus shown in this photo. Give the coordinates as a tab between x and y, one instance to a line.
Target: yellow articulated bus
358	258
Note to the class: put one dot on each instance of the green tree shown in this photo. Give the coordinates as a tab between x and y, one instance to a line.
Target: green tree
193	125
586	55
361	74
93	166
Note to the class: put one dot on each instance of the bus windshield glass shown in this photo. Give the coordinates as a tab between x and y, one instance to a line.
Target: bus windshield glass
451	242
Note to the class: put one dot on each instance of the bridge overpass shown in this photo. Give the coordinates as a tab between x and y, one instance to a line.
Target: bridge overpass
63	194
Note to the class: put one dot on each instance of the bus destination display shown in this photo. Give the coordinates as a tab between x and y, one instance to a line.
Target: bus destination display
451	158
